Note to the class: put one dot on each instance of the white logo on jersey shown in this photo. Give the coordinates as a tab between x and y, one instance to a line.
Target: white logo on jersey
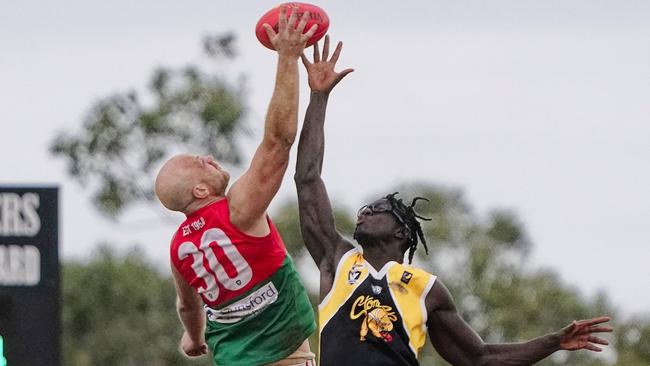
376	289
354	274
251	304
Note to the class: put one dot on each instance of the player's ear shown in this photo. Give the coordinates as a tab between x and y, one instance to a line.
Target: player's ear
403	232
200	191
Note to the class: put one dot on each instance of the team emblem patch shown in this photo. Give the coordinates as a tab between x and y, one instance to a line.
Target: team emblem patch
376	289
354	274
406	277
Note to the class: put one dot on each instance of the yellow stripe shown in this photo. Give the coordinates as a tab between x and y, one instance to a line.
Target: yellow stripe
409	300
341	289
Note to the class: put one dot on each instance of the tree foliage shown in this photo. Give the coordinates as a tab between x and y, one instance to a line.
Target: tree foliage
122	139
118	309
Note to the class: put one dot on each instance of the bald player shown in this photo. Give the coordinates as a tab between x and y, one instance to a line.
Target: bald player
238	292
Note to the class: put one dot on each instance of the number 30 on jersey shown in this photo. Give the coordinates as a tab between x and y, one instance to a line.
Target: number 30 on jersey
216	273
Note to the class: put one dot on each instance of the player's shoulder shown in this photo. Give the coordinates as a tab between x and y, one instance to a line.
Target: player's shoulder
347	258
439	297
412	277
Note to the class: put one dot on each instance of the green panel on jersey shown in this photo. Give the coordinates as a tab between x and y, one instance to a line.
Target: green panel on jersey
268	335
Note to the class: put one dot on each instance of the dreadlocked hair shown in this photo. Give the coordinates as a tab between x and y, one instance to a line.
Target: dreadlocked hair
410	217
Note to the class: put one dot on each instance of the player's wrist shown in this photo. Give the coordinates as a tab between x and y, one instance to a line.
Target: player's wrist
288	57
319	94
554	341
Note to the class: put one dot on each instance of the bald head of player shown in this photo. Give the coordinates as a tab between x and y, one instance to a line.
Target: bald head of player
188	182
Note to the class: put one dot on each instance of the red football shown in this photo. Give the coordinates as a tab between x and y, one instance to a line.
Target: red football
316	16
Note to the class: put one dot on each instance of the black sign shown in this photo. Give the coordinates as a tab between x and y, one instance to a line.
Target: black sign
29	276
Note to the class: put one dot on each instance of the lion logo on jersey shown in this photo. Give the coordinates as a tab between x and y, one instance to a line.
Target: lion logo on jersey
378	318
379	323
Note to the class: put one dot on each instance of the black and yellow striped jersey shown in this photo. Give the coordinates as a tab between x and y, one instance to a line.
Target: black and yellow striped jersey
372	317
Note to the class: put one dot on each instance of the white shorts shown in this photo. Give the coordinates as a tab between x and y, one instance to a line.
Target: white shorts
300	357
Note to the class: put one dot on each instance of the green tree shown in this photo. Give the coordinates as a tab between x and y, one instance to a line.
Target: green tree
118	309
122	140
632	341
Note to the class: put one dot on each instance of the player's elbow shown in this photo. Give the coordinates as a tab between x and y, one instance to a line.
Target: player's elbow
476	356
486	357
304	177
186	306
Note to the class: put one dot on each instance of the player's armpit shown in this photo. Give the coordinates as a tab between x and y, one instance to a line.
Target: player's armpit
450	335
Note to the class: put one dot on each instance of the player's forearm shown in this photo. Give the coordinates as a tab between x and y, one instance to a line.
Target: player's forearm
282	116
193	320
312	140
520	354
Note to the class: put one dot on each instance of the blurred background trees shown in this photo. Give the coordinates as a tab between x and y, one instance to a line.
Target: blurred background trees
123	139
118	308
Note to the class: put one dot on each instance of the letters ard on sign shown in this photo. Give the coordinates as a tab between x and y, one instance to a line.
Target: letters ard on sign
20	265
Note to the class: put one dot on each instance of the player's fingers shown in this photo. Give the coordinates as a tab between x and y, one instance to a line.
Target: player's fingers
602	319
598	340
591	347
316	53
305	61
341	75
601	329
303	22
337	52
326	48
344	73
269	31
292	18
282	22
305	37
191	353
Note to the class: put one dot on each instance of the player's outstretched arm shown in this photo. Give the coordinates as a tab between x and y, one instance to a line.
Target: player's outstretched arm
457	343
251	195
322	240
192	316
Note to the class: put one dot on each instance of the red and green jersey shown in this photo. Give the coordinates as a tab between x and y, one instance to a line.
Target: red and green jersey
258	311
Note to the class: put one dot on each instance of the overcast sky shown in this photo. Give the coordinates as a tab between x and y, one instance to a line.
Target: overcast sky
541	107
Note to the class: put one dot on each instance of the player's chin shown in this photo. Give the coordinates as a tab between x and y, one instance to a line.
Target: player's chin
360	235
221	182
225	178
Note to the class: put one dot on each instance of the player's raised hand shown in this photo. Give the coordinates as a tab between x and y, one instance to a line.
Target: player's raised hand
290	39
579	334
321	74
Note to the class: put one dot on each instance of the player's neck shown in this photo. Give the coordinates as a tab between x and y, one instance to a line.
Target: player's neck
199	204
379	255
